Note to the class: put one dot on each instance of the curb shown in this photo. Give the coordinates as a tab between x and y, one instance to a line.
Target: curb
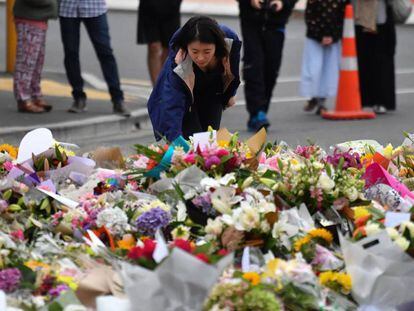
94	127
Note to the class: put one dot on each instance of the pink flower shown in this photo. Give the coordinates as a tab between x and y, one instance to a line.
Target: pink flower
213	160
262	158
8	166
141	162
18	235
190	158
222	153
272	163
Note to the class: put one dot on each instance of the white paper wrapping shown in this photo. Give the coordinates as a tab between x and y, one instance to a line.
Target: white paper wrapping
382	274
180	283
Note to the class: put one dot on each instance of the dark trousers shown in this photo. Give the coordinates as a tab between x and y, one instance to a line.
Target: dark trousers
199	118
262	59
98	31
376	65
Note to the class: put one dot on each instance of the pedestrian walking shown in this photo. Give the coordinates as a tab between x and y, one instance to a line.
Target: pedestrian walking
157	22
322	52
199	79
31	17
263	29
92	13
376	44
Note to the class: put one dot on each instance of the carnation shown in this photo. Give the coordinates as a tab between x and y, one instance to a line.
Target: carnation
150	221
10	279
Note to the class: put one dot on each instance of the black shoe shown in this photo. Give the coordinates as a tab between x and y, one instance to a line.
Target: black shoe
311	104
119	108
257	122
78	106
321	106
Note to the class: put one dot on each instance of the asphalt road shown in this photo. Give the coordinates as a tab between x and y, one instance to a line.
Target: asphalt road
289	123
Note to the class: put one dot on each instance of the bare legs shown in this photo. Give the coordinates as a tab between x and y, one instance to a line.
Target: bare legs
157	54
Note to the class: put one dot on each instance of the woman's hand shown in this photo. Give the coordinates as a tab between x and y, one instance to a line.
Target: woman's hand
257	4
278	5
232	102
327	40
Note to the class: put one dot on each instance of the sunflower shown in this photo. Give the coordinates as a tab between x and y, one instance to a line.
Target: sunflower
301	242
321	234
10	150
336	281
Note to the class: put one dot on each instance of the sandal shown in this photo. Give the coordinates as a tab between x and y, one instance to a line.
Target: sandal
29	107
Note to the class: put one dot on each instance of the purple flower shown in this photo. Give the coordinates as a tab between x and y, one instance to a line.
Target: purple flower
3	205
213	160
350	159
55	292
10	279
204	202
150	221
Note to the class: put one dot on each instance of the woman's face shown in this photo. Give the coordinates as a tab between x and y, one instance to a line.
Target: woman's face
201	53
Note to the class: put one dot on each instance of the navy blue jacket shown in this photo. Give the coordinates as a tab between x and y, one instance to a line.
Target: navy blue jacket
172	95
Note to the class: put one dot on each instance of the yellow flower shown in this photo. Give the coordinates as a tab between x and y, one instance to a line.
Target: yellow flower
361	211
388	151
366	159
294	161
336	279
37	265
301	242
252	277
69	153
321	234
223	143
68	280
11	151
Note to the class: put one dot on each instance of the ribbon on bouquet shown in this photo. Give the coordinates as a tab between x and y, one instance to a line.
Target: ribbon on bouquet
167	158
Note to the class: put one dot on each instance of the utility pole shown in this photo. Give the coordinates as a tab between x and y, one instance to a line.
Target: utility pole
11	38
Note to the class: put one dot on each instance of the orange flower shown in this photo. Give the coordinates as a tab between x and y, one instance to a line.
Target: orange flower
361	221
127	242
252	277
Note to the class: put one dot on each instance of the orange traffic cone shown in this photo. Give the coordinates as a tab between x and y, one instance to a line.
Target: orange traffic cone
348	101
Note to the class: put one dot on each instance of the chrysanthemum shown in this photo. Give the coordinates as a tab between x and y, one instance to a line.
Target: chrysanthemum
252	277
336	281
321	234
11	151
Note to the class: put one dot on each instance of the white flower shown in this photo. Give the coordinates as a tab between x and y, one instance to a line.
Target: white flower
228	179
223	199
325	182
318	165
214	227
403	243
114	219
408	225
246	217
38	301
352	194
147	206
181	211
393	233
372	228
209	182
181	232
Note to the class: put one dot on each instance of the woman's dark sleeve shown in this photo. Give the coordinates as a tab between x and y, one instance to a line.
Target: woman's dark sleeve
174	101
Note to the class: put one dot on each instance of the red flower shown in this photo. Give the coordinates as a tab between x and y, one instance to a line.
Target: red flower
136	253
18	235
202	257
149	247
183	244
223	252
222	152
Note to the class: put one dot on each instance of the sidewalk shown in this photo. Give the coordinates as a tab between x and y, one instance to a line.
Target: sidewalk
207	7
98	121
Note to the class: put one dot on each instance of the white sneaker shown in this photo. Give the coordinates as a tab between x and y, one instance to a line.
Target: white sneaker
380	110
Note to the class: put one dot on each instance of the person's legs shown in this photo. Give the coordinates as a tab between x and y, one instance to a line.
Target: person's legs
98	31
28	50
311	72
156	57
70	33
273	43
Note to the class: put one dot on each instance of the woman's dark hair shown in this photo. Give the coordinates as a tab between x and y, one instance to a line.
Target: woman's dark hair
203	29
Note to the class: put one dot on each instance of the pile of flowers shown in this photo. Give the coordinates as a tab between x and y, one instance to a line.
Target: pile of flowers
299	208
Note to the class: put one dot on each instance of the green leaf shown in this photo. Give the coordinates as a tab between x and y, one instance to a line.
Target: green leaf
58	153
148	152
55	306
